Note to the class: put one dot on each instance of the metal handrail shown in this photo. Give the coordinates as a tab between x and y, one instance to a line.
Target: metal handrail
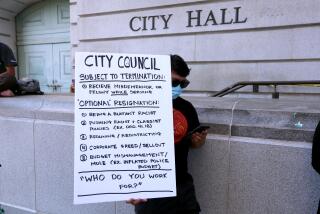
256	85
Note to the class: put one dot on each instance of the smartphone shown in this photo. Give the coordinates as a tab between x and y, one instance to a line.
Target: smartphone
200	129
197	129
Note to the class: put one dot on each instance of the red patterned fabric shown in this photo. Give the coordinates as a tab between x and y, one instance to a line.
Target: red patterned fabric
180	125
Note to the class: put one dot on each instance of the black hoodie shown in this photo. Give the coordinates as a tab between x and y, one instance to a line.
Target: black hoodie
316	149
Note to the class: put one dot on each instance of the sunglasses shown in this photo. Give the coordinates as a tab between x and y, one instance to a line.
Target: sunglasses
183	83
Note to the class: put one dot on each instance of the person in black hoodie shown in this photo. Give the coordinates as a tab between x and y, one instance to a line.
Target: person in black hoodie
316	153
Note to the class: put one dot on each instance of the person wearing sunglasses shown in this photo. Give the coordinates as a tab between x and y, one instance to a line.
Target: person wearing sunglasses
185	120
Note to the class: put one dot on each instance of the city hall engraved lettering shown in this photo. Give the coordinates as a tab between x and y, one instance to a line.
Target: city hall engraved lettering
193	18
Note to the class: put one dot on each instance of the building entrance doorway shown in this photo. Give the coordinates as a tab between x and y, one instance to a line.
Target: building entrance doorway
43	44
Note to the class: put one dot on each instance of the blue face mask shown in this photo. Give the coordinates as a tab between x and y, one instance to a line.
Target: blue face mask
176	91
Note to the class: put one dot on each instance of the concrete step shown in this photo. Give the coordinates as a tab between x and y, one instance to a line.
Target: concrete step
268	119
277	133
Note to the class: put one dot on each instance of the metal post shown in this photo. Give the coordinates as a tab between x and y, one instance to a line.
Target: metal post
255	88
275	94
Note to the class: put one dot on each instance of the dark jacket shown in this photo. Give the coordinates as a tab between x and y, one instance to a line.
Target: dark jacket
316	149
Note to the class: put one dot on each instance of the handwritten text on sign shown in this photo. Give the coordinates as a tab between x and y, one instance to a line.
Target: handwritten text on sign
123	127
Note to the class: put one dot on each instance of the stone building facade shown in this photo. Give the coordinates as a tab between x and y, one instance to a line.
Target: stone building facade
256	159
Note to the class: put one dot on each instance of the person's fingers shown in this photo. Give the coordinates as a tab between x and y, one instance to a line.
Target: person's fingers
7	93
129	201
139	201
136	201
196	134
200	135
203	133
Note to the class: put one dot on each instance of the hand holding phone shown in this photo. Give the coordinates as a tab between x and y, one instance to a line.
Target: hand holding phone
200	129
198	136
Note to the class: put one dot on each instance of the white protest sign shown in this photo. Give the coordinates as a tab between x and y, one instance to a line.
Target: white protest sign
124	146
